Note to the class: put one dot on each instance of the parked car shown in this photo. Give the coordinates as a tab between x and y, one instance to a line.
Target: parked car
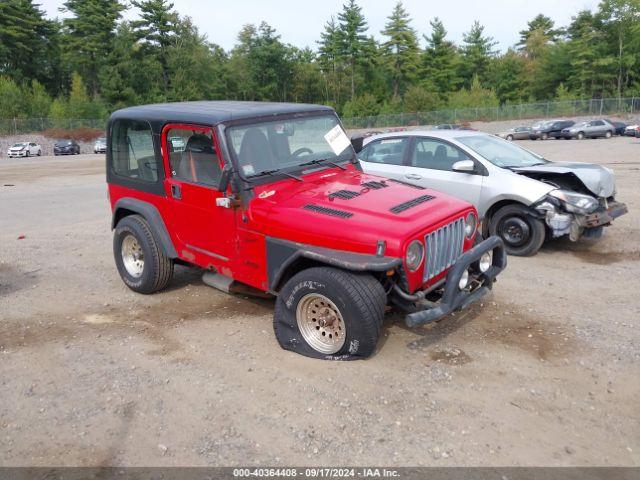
619	126
270	197
447	126
517	133
520	196
632	130
24	149
100	145
551	129
589	129
66	147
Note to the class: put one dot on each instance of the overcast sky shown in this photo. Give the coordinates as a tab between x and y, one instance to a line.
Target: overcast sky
300	22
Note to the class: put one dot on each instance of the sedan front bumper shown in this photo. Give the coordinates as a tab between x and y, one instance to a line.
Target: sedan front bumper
480	283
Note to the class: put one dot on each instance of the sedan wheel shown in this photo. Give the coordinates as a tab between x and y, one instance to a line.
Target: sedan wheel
580	135
519	229
510	137
608	134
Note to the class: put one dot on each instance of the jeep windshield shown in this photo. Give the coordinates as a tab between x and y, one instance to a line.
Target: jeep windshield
284	146
500	153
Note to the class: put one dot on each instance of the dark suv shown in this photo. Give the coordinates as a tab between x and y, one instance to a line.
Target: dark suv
270	198
552	129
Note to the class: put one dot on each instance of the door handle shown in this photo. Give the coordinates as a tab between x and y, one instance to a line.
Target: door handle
413	176
176	191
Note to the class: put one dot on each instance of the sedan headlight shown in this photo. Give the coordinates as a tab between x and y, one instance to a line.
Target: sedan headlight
414	256
470	225
575	202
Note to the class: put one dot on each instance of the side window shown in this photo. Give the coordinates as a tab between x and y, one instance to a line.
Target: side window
434	154
598	123
389	151
132	153
192	156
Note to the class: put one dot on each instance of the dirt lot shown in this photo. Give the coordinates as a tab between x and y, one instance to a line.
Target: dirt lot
545	372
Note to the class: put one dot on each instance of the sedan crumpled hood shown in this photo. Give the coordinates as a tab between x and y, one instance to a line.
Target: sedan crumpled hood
597	179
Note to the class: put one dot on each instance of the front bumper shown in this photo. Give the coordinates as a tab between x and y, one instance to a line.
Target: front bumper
603	216
455	299
21	153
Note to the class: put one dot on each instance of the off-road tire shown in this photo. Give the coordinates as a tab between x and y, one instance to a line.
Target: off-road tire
535	237
359	298
158	268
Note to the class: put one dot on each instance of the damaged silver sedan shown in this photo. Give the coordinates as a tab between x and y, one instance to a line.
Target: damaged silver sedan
522	197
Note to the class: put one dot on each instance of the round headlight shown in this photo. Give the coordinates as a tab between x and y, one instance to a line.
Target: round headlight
470	225
485	261
464	280
414	256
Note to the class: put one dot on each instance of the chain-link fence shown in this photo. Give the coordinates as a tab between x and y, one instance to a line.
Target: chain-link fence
18	126
593	107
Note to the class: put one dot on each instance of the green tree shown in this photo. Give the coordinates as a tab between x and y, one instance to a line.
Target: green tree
474	97
89	35
401	49
352	39
27	41
440	60
508	79
621	19
11	99
419	99
156	28
542	25
37	99
477	52
365	105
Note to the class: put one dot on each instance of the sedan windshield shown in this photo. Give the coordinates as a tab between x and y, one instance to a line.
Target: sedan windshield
62	143
501	153
265	148
19	145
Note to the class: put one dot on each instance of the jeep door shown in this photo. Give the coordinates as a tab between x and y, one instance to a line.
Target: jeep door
206	232
430	164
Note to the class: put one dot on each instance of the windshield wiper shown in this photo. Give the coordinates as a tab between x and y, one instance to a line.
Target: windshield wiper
323	160
274	171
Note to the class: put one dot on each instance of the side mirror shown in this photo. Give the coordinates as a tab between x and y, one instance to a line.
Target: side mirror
225	178
464	166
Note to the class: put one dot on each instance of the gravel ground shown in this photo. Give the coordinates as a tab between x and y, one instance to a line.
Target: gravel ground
544	372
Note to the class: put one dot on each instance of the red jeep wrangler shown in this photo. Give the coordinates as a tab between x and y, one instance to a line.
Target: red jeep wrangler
271	196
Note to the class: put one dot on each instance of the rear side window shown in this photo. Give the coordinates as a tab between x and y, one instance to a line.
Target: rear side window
389	151
132	152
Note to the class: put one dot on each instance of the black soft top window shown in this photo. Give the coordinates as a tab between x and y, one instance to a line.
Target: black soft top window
132	151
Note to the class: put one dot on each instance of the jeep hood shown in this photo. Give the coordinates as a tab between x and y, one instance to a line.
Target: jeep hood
597	179
351	209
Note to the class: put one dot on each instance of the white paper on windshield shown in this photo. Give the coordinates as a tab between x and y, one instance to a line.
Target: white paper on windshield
337	139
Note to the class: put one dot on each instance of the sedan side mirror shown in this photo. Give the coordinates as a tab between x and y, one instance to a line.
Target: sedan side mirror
464	166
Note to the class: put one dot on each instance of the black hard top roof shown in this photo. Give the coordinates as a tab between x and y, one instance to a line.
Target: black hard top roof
213	112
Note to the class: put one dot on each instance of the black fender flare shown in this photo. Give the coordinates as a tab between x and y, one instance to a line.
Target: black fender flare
282	254
151	215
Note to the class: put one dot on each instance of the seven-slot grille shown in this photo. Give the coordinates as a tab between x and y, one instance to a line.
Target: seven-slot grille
443	247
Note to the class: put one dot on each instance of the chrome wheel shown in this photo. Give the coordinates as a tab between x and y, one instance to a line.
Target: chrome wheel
321	323
132	256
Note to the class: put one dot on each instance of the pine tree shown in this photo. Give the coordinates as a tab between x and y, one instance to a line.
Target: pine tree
440	60
156	28
477	51
351	27
401	49
27	41
89	36
329	56
542	24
